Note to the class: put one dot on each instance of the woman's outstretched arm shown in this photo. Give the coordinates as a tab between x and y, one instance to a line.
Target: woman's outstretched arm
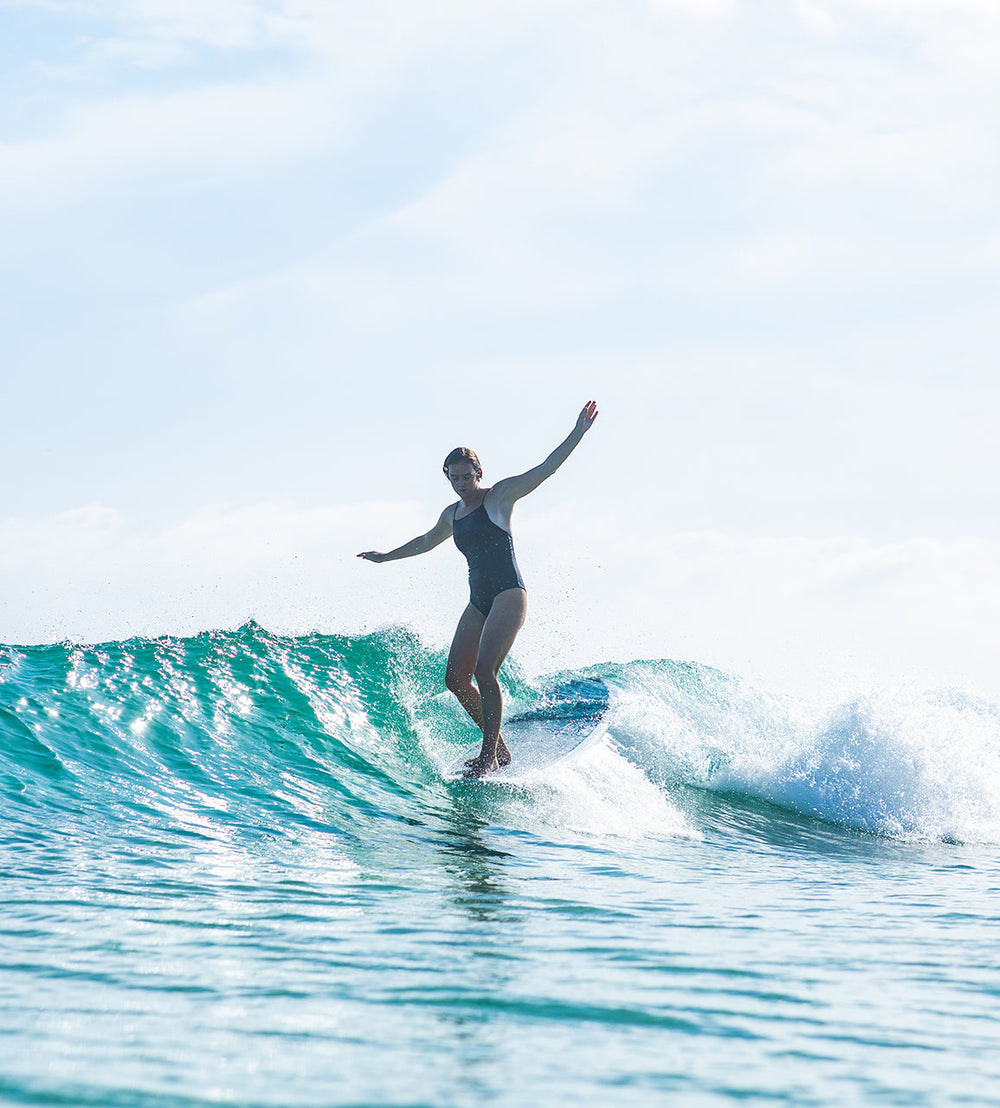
420	545
513	488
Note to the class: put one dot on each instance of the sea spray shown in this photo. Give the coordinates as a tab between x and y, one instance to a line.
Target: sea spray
907	763
910	764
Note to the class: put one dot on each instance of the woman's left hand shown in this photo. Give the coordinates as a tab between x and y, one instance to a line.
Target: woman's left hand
585	420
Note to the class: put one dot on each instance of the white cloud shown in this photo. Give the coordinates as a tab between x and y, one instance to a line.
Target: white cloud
90	574
202	133
853	168
224	23
749	231
819	617
816	617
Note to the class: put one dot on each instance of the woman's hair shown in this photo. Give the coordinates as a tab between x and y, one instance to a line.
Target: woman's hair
462	454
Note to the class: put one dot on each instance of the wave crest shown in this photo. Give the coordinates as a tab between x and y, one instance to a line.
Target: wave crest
244	731
909	764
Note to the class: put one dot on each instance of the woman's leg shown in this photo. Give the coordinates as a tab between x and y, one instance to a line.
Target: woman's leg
462	666
462	662
499	630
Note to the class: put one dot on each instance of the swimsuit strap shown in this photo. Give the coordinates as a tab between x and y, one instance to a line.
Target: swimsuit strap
481	504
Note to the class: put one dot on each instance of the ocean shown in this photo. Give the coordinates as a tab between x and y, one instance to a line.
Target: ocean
233	875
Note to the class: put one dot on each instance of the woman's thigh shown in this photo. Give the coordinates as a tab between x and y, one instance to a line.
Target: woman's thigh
500	630
465	644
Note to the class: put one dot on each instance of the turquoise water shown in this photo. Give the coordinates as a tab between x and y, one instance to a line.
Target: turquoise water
233	874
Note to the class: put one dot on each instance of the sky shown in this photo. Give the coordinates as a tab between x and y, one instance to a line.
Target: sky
265	262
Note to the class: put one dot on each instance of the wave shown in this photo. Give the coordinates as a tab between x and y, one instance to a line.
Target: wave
909	764
245	733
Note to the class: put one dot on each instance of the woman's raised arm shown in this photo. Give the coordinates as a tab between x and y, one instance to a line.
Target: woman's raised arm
513	488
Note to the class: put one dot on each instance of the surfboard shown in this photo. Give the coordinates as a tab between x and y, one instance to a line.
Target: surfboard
569	719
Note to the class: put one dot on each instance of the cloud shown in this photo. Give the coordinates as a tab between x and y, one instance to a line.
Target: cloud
271	233
814	616
206	132
90	574
623	131
843	165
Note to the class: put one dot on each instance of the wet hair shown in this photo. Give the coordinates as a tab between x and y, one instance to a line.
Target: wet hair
462	454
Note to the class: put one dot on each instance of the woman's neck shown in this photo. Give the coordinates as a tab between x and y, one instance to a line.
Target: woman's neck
472	500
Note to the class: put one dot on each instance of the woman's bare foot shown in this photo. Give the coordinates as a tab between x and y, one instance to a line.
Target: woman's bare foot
478	767
503	754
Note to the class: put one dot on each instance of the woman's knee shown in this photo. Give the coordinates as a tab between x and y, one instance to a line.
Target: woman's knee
457	680
486	674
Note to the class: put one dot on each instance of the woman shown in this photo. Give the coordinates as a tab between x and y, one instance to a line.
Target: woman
480	525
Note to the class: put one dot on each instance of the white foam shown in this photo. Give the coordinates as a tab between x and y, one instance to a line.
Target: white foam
912	765
599	793
907	763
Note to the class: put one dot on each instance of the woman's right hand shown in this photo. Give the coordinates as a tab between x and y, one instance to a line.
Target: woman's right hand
372	556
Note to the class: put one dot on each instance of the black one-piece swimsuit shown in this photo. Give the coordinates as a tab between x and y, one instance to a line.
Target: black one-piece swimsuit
489	550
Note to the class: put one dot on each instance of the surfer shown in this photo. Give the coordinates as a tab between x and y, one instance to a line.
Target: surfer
480	525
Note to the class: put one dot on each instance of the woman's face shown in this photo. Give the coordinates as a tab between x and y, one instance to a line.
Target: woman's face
464	477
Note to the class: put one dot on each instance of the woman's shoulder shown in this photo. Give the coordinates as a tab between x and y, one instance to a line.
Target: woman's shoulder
496	492
447	516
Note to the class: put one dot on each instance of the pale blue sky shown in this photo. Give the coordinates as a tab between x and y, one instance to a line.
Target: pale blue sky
294	251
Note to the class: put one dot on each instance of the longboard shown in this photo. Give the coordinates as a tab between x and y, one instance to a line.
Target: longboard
567	721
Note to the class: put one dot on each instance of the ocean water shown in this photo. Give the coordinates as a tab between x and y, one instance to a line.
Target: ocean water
232	874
